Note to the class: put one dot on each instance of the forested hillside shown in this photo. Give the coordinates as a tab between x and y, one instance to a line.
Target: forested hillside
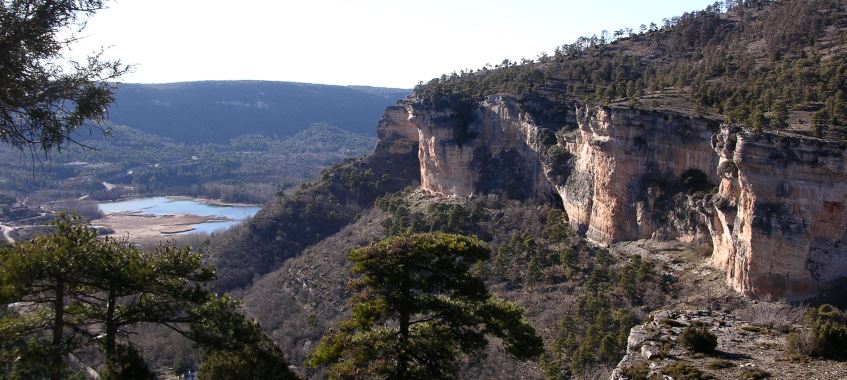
217	111
241	141
764	67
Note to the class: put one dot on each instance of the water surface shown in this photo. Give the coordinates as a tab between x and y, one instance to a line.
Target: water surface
176	205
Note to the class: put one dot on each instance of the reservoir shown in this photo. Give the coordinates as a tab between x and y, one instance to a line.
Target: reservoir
224	215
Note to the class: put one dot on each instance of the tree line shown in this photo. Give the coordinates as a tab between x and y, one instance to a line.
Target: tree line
72	300
752	61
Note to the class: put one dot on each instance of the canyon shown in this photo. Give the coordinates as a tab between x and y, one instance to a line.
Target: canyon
770	208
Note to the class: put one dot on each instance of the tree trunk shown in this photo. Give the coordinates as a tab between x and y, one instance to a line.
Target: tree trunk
402	358
111	326
58	328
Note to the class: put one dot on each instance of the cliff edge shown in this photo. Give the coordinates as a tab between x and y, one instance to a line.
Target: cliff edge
771	208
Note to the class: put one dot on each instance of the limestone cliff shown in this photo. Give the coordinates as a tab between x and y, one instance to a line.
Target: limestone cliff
396	134
490	147
628	167
772	209
779	224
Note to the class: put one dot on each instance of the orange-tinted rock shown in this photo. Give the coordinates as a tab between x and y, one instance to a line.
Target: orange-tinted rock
772	208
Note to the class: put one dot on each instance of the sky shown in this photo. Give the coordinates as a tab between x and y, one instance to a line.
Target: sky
385	43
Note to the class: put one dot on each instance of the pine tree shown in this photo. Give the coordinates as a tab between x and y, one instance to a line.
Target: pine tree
417	309
534	274
43	96
780	112
820	122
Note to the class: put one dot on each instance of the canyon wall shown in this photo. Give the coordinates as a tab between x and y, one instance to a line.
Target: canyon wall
629	166
490	147
773	209
779	220
396	135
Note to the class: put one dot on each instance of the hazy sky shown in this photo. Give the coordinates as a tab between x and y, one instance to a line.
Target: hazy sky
391	43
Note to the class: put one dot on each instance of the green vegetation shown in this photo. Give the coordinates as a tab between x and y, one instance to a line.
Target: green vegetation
438	217
698	338
417	309
720	364
593	330
825	334
637	370
44	97
684	371
754	374
752	62
249	169
70	294
677	370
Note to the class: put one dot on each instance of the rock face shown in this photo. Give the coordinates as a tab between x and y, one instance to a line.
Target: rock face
395	133
779	225
490	147
627	167
772	209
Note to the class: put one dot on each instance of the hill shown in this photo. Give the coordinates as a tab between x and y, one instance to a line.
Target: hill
714	141
238	140
217	111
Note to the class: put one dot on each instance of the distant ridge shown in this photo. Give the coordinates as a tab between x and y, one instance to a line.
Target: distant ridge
217	111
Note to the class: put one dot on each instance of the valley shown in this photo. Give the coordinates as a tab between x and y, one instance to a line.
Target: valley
143	219
666	203
247	159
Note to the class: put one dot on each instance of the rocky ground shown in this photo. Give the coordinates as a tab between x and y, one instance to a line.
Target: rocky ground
751	334
746	350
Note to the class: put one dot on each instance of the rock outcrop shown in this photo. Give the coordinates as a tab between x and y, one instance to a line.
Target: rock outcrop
396	135
773	209
490	147
779	221
628	166
745	349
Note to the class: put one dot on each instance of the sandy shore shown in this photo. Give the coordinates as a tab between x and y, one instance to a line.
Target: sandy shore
137	226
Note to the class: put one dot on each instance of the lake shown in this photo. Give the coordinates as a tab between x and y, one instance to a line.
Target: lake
180	205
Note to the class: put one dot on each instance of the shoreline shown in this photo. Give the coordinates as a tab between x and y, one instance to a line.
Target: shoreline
140	221
145	226
206	201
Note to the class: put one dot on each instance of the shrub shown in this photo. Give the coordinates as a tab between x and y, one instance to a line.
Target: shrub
695	180
754	329
826	337
754	374
801	342
698	338
682	371
672	322
720	364
636	371
830	332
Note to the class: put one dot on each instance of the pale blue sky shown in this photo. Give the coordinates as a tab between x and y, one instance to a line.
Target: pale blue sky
391	43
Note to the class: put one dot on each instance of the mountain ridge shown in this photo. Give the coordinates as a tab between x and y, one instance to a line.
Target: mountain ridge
687	177
215	111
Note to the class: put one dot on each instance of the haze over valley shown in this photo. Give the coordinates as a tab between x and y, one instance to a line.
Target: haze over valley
664	199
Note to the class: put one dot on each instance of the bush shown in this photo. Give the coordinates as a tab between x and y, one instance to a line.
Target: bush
698	338
636	371
826	335
830	332
720	364
801	342
672	323
754	374
682	371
